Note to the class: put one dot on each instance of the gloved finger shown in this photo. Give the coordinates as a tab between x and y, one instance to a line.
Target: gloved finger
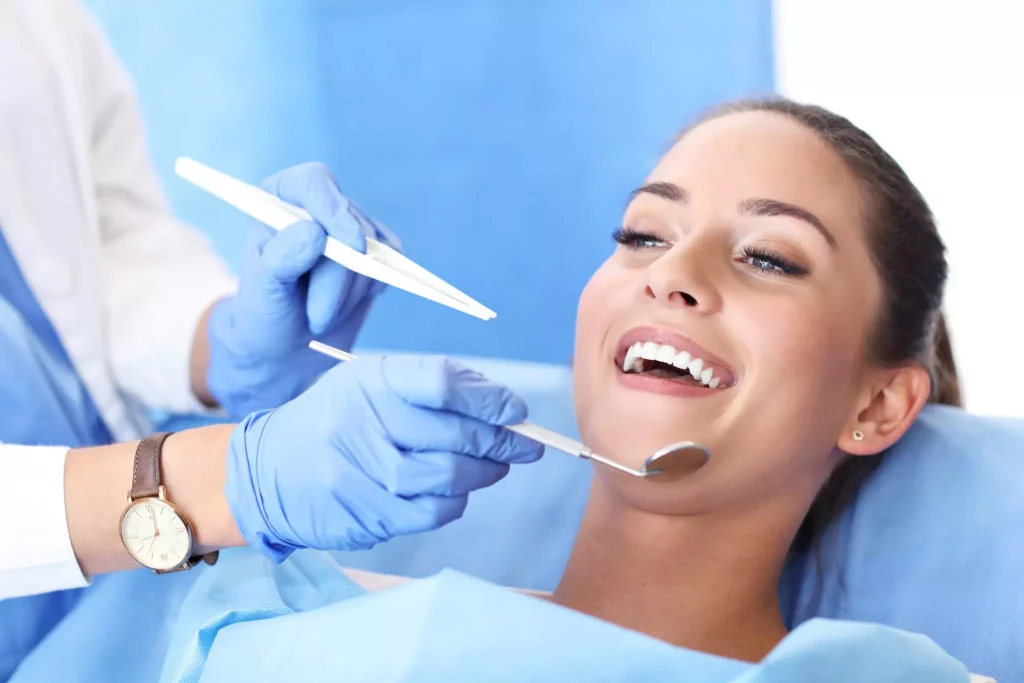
312	187
291	253
433	512
439	473
381	232
330	285
424	430
440	383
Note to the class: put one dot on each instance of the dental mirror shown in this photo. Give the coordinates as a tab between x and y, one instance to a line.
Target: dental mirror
672	462
676	460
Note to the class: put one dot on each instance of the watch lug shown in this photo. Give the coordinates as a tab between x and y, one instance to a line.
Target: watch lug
129	496
162	493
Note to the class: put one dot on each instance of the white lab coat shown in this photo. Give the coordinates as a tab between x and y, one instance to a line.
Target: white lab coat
123	282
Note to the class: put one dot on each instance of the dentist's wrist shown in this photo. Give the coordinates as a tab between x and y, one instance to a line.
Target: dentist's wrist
194	469
199	360
96	481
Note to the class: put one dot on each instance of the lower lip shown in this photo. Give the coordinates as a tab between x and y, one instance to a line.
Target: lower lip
658	385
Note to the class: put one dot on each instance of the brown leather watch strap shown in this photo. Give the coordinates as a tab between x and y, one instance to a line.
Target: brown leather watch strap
146	474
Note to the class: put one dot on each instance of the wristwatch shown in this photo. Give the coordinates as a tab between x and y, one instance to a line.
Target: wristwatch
154	531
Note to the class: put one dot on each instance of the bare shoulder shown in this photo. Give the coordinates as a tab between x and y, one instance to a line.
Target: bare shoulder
372	581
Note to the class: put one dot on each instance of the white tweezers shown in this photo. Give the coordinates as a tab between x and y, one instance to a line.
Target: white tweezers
380	262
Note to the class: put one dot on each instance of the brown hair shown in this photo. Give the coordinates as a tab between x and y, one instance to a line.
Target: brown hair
911	262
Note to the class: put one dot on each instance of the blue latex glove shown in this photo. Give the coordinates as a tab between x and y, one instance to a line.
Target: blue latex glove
375	449
288	294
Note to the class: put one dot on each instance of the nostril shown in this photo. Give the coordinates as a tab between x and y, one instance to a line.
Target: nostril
673	296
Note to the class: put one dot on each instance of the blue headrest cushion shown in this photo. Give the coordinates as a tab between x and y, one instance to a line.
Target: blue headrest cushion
933	543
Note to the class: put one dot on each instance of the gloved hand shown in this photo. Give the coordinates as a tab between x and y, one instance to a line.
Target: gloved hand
375	449
289	293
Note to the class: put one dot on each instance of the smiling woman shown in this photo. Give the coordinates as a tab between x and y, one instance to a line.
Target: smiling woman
775	296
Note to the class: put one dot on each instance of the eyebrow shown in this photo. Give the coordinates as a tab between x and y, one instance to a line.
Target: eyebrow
668	191
757	206
753	206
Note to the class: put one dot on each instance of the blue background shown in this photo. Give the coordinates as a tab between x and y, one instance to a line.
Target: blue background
498	138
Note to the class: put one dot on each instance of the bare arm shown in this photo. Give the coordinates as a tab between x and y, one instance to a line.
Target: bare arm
96	484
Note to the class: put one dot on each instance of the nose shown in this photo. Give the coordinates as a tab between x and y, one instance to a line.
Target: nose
683	276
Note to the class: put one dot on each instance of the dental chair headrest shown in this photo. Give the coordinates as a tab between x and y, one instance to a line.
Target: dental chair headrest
934	543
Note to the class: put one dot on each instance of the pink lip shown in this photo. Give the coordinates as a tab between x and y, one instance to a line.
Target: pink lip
721	369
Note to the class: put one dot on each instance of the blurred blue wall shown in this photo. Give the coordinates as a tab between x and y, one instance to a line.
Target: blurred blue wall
498	138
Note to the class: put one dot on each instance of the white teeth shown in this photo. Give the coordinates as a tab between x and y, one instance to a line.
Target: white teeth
632	356
663	353
666	354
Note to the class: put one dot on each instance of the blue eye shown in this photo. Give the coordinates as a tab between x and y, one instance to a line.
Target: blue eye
771	263
634	239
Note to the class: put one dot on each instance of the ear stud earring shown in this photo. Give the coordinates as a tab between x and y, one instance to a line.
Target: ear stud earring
858	435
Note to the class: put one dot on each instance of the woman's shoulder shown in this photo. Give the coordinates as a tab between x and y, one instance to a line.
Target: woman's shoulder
374	581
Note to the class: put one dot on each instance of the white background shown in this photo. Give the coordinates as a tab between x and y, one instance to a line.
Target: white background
941	86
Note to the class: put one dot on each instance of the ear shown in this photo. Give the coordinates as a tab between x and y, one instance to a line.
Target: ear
890	405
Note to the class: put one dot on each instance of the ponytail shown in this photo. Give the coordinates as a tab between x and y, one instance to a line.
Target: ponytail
946	390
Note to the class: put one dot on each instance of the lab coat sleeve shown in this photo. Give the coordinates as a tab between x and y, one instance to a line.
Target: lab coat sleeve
160	274
35	548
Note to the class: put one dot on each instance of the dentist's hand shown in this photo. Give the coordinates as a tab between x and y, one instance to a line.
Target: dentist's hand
289	294
375	449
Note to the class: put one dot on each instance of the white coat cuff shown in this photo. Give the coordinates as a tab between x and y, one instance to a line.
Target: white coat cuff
35	546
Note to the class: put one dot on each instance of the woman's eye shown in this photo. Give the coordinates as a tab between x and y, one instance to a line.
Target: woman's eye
635	239
770	262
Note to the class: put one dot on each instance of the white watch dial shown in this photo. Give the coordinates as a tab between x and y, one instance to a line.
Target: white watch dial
155	535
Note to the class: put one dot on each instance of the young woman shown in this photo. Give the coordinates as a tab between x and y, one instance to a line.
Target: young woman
782	257
775	296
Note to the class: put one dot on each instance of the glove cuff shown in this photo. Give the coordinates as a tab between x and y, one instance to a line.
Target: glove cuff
243	492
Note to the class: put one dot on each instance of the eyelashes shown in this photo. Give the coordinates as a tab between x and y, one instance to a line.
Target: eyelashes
761	260
771	262
635	239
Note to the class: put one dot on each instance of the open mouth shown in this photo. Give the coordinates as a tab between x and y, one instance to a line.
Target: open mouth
665	361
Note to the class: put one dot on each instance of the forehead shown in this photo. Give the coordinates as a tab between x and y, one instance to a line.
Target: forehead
762	154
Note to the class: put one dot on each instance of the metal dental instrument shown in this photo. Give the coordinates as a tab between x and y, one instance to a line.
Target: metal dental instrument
674	461
380	261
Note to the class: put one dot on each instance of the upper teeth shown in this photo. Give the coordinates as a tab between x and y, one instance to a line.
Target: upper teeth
663	353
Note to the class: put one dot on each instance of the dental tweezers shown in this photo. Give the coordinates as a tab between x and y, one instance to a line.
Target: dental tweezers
380	262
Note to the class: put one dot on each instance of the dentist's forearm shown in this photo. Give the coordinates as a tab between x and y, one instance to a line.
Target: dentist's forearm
199	363
97	481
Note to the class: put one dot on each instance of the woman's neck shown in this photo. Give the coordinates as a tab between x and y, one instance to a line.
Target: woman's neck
707	583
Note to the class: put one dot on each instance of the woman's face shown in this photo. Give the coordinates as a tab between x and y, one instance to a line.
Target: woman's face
746	249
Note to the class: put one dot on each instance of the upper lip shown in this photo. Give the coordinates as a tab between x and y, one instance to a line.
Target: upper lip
680	343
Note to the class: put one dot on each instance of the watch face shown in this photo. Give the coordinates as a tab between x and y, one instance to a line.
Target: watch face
155	534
